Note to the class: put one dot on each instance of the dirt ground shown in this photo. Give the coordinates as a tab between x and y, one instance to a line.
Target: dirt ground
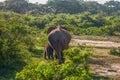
106	44
104	65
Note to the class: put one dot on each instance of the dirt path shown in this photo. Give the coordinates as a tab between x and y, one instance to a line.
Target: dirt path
105	66
107	44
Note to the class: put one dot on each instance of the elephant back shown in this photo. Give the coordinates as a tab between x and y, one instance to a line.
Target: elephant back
51	29
59	37
54	27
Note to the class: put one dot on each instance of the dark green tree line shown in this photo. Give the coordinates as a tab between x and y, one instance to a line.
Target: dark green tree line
61	6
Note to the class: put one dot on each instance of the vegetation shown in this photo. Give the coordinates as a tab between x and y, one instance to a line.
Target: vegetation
23	28
54	6
53	71
115	51
17	39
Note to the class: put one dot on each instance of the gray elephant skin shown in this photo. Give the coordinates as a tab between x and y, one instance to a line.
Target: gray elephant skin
48	52
59	40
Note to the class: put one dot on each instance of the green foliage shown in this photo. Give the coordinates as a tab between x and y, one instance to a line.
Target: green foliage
68	6
78	24
86	23
54	6
21	34
19	6
53	71
115	51
17	39
43	40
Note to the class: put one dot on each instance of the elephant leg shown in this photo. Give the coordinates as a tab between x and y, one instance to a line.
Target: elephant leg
56	56
62	57
45	55
48	54
57	47
62	54
51	56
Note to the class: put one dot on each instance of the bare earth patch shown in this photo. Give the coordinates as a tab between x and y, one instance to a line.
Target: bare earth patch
104	65
107	44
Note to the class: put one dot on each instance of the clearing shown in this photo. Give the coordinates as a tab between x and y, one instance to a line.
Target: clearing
104	65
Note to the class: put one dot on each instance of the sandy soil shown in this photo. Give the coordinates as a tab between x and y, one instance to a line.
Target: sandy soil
107	44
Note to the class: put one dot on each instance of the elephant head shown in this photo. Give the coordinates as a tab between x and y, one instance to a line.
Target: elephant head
48	51
59	40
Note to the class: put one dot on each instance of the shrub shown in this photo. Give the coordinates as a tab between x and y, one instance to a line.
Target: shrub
16	40
53	71
115	51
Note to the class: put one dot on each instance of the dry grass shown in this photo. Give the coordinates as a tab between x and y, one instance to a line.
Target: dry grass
104	65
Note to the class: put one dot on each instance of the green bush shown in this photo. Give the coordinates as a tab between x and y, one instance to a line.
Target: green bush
70	70
115	51
17	39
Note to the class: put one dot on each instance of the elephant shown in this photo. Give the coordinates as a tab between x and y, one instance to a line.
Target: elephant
59	40
48	51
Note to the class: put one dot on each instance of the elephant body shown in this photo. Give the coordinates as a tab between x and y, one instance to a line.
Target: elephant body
59	40
48	51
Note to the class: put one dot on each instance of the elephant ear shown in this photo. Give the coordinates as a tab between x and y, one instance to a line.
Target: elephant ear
54	27
64	28
50	29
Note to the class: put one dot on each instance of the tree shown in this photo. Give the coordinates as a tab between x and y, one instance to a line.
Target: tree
18	6
92	6
112	6
64	6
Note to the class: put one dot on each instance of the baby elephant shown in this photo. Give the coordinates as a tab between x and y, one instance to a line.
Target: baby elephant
48	51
